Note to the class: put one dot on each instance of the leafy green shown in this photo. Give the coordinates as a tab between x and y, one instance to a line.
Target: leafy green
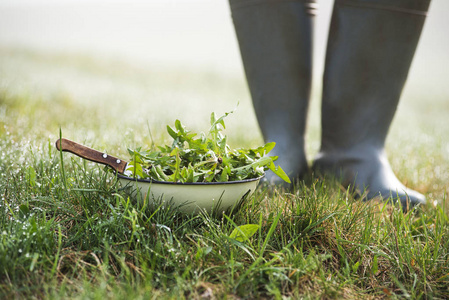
202	157
244	232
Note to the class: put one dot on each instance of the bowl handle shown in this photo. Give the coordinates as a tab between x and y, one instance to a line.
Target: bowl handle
90	154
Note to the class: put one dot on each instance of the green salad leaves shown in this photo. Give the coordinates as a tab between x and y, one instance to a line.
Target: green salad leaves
202	158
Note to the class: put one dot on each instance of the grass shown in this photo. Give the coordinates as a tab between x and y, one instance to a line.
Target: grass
67	231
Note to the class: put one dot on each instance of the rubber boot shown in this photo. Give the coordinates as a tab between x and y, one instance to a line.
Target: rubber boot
275	40
370	48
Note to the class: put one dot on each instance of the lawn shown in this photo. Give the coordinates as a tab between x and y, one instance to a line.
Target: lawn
68	231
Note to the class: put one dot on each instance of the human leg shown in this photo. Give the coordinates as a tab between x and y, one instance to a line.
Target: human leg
370	48
275	40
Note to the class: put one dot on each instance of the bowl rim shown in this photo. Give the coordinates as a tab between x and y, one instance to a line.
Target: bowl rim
121	176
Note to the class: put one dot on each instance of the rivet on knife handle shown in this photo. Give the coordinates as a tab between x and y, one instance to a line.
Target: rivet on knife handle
91	154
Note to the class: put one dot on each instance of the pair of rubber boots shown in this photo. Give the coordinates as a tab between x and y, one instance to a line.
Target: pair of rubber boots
370	47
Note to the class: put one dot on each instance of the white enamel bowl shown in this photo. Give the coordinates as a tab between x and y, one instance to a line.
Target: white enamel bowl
213	197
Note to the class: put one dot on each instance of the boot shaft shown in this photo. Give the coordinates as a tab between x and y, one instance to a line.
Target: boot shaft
370	49
275	40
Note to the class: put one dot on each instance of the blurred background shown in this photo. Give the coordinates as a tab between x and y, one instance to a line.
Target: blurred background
167	59
192	33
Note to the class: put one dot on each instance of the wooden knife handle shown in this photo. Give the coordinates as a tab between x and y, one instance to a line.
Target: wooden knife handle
91	154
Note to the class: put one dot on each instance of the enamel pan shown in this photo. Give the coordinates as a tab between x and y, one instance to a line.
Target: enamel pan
214	197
